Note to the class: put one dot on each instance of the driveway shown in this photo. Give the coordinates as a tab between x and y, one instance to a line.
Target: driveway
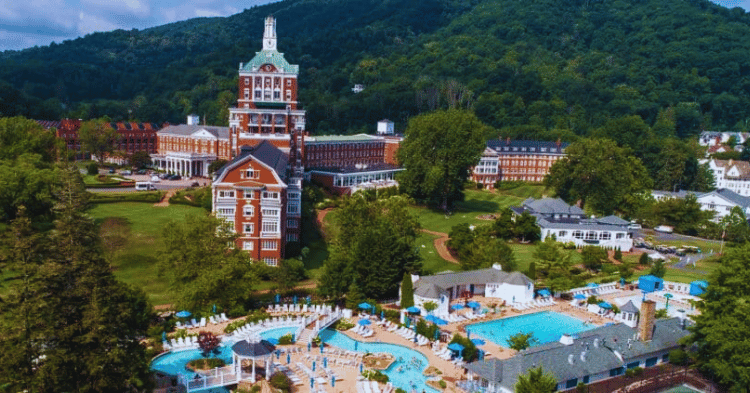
162	185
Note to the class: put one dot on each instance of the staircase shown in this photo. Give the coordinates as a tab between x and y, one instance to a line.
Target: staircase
306	336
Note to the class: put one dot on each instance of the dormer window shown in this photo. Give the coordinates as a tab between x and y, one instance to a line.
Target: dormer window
250	173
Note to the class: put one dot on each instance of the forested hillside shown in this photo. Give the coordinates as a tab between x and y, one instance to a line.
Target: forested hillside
542	69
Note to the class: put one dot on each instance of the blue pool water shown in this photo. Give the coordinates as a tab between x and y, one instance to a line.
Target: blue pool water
277	332
409	378
547	326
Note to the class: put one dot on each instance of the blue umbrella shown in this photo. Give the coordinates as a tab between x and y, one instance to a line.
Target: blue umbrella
312	381
544	292
365	306
468	334
435	320
213	309
325	362
474	305
333	381
457	307
437	334
364	322
593	285
308	347
413	310
295	299
456	347
321	347
288	358
478	341
313	368
356	344
361	367
273	341
309	300
605	305
278	353
277	298
408	321
163	336
382	314
183	314
579	296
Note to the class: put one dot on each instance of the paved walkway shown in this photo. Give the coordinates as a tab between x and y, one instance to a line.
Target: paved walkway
440	245
165	200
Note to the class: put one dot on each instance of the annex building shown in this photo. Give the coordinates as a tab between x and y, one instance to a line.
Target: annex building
731	174
569	224
587	357
720	201
514	160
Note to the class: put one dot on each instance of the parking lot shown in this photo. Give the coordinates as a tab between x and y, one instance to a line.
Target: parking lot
161	184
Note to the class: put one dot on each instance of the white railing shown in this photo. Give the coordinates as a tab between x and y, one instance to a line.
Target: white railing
222	376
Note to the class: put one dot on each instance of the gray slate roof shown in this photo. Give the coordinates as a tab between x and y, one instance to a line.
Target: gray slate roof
726	193
613	220
252	349
526	146
629	307
187	130
444	281
551	206
600	348
430	291
266	153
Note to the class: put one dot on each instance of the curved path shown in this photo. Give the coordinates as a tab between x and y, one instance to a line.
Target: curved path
440	245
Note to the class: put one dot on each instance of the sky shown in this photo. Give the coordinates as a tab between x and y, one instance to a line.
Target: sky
26	23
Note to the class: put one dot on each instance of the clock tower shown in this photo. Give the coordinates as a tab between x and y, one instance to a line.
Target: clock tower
269	34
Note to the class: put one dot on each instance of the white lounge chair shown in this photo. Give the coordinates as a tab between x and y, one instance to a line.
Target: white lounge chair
203	322
375	387
193	323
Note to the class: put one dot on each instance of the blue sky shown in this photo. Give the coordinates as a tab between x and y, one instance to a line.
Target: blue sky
25	23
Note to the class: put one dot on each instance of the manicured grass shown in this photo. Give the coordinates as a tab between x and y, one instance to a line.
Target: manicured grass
135	263
476	203
524	254
431	260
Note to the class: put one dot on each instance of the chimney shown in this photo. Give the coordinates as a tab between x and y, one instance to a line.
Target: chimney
646	322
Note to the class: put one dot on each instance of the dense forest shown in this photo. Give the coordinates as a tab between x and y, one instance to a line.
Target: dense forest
543	69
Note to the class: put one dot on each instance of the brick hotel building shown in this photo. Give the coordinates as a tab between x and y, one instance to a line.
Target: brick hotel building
511	160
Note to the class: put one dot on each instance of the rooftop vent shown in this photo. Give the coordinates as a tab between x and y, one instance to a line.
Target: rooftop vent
571	358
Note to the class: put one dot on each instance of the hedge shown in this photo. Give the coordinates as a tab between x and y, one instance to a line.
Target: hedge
145	196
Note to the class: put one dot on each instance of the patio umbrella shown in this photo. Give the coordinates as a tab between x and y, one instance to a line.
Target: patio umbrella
408	321
478	341
579	296
593	285
382	314
457	307
213	309
325	362
273	341
474	304
321	347
365	306
183	314
278	353
468	334
309	300
308	347
312	381
435	320
544	292
277	298
356	344
313	367
333	381
163	336
437	334
364	322
605	305
456	347
413	310
295	299
361	367
288	359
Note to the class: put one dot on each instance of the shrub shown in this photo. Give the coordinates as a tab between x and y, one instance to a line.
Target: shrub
286	339
92	169
375	375
208	342
279	380
206	363
678	356
442	384
633	372
343	324
107	197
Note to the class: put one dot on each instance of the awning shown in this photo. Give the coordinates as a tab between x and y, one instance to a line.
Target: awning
456	347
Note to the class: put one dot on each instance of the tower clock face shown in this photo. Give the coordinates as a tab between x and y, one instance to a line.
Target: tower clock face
269	43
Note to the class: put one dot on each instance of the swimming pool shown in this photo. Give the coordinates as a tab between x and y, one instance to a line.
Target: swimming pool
173	363
547	326
411	362
278	332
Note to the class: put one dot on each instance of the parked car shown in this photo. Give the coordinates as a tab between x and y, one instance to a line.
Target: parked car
111	170
126	172
176	177
142	172
155	179
144	186
195	184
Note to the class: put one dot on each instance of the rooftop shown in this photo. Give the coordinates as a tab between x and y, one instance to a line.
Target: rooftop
341	138
351	169
432	285
272	57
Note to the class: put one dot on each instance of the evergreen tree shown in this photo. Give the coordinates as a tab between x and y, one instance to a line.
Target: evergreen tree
658	269
354	296
618	254
532	270
503	225
525	228
536	381
407	291
643	259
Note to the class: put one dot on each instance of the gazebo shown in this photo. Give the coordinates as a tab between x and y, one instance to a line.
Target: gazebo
254	349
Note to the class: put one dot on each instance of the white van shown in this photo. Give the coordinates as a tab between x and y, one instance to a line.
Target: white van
144	186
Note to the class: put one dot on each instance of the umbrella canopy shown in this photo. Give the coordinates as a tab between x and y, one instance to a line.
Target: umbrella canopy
413	310
593	285
668	295
365	306
456	347
579	296
183	314
273	341
364	322
544	292
435	320
605	305
474	305
457	307
164	336
213	309
478	341
277	298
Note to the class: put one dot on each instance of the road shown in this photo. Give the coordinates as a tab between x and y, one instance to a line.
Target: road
162	185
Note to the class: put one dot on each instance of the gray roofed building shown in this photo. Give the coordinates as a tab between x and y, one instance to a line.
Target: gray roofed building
188	130
629	307
266	153
719	201
429	290
593	355
552	207
249	349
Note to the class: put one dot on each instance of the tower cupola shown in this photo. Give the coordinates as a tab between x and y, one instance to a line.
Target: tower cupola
269	34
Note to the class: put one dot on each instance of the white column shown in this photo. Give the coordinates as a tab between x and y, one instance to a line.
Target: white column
253	374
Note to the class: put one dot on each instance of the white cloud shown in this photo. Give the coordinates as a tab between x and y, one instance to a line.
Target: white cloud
89	24
136	8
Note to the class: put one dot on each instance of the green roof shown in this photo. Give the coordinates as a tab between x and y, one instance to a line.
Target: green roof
270	57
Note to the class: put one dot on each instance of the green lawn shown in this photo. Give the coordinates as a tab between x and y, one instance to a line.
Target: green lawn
431	261
135	262
477	202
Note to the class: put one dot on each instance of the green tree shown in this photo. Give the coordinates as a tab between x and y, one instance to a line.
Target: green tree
460	239
550	256
216	165
598	173
202	264
407	291
372	242
354	296
618	255
289	273
140	159
658	269
487	251
593	257
525	227
685	215
521	341
735	226
532	270
28	181
438	152
723	313
643	260
503	225
430	307
19	136
536	381
98	138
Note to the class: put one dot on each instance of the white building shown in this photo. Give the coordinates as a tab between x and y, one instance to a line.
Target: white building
569	224
731	174
713	138
491	283
385	127
720	201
